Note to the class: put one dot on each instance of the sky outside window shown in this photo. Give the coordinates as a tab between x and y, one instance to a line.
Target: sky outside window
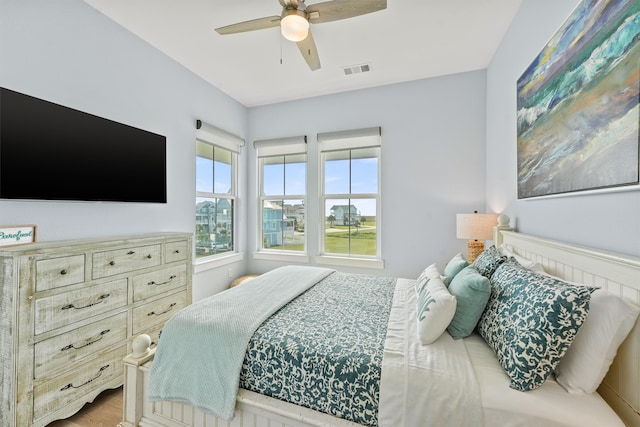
285	179
353	172
213	170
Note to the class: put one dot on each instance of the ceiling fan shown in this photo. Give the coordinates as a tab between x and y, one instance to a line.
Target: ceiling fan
295	19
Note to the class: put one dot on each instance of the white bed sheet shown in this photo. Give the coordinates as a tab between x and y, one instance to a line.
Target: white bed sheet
424	385
548	406
414	378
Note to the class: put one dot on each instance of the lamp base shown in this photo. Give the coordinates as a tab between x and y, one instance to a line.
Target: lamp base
474	248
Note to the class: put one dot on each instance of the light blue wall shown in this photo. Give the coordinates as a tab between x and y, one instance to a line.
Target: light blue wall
608	221
433	136
68	53
438	134
433	157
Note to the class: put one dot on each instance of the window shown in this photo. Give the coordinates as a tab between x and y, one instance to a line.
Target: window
283	169
350	164
216	160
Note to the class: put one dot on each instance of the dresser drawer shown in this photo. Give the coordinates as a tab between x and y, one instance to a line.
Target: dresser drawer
158	282
72	347
64	309
157	312
57	272
176	251
74	384
109	263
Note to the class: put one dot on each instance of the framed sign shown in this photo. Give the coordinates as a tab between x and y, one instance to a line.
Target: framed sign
11	235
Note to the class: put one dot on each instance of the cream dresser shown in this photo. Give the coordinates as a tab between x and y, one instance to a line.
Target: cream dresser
69	311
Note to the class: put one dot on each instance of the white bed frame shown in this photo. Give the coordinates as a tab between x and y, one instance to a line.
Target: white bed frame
619	274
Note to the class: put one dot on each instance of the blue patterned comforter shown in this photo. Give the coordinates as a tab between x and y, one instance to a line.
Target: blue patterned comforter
324	349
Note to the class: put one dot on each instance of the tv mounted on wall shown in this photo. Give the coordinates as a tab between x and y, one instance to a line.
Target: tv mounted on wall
52	152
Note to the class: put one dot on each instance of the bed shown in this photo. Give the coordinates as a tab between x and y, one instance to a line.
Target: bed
490	399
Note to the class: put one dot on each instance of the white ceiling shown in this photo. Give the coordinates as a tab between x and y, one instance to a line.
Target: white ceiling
411	39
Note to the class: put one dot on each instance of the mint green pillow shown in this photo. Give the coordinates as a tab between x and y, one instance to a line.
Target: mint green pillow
472	291
454	266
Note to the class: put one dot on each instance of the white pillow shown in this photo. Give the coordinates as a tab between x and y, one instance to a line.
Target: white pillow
587	361
526	263
435	309
427	273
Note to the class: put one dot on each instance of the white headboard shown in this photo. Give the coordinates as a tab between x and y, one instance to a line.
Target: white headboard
617	273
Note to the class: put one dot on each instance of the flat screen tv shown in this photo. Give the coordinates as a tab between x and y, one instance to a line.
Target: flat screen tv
52	152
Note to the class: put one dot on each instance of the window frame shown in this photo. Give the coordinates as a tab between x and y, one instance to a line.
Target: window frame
272	149
222	140
369	138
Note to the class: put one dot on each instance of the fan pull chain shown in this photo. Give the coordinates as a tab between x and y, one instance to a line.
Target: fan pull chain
280	50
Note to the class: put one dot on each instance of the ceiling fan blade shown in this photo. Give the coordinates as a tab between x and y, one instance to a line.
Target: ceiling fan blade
309	52
252	25
342	9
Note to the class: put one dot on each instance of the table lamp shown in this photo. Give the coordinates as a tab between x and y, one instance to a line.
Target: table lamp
476	228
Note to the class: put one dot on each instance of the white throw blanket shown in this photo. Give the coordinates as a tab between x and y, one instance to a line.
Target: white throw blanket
202	347
424	385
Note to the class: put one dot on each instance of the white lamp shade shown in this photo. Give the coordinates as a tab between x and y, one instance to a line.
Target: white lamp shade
294	27
475	226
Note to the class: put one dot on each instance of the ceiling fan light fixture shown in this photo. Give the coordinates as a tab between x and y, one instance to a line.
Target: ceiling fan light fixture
294	25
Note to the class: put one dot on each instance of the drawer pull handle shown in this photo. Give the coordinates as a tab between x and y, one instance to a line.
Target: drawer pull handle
153	313
149	256
151	283
112	263
70	346
70	385
177	251
63	272
130	253
101	298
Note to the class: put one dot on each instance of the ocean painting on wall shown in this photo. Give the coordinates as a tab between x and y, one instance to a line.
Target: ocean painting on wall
578	104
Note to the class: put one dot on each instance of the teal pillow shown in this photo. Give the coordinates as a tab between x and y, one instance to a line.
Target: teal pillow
530	322
472	291
488	261
454	266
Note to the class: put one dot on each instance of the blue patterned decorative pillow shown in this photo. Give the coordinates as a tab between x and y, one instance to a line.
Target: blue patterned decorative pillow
530	321
488	261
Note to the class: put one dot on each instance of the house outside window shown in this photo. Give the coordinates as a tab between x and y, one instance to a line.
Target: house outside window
216	186
344	215
350	169
282	174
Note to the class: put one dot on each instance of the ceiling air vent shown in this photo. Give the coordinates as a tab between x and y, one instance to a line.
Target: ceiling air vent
356	69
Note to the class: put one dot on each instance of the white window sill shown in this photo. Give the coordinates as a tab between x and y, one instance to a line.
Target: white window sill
281	256
350	262
201	265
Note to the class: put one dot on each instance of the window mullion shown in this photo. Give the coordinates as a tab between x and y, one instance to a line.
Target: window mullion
349	214
349	201
213	168
284	175
282	224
